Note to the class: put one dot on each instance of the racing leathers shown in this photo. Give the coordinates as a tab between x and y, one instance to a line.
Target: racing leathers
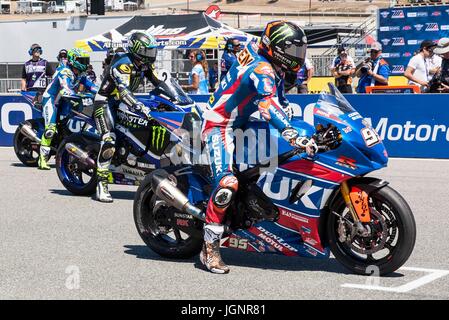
252	84
64	83
122	77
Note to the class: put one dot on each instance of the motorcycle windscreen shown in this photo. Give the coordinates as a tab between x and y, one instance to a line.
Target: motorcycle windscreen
172	91
334	103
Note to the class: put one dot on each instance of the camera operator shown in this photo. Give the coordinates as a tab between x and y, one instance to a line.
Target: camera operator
418	68
440	81
374	71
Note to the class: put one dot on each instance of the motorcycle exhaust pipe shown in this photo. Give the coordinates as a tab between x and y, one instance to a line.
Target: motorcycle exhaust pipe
81	155
29	133
166	190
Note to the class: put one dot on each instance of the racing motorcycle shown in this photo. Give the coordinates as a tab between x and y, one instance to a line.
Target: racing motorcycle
27	136
305	207
142	144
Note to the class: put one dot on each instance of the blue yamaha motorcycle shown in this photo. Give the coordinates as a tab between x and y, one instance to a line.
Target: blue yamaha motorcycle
142	144
27	138
301	207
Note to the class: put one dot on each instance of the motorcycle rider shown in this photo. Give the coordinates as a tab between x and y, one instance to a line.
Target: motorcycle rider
126	72
66	81
254	83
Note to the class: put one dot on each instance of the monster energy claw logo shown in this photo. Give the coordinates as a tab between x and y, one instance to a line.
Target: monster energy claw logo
158	137
284	31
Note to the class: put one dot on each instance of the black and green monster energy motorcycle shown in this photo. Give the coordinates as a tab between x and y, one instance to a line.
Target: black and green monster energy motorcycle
142	144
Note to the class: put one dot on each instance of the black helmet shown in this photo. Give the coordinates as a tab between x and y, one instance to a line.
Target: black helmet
142	47
284	44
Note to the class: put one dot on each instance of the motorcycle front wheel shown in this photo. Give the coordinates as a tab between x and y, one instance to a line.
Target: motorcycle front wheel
74	175
389	239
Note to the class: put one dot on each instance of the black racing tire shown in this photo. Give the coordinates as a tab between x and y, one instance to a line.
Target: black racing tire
67	178
144	201
24	148
405	235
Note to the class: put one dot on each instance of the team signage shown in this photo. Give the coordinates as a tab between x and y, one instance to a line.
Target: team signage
401	31
411	125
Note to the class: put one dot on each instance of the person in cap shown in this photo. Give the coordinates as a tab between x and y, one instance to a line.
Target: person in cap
418	68
36	71
62	57
442	75
342	69
374	71
232	48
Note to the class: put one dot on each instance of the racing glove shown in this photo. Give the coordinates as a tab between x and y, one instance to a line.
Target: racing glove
308	144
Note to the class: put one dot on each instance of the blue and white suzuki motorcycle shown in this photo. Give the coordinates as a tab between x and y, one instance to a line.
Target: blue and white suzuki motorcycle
27	138
142	144
303	207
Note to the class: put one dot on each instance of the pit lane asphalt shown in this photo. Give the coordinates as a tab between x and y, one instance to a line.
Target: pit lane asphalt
47	235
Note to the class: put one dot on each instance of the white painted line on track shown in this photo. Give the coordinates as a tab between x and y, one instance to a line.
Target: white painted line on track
432	275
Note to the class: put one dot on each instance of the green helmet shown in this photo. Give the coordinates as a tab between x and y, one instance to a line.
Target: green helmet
142	47
78	59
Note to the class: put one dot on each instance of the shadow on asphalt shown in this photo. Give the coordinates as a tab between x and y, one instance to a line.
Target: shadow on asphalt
121	195
253	260
21	165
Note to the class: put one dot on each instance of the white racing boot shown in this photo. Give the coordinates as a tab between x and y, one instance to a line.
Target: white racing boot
210	254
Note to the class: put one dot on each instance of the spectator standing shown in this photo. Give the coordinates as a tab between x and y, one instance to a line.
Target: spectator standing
303	77
36	71
62	57
418	71
199	74
90	74
213	76
434	63
232	47
374	71
442	76
343	68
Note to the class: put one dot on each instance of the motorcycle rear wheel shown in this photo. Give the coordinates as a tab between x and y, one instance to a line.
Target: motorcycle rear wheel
26	150
159	236
391	240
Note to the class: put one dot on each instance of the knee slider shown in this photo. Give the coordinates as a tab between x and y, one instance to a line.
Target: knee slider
225	192
49	133
108	146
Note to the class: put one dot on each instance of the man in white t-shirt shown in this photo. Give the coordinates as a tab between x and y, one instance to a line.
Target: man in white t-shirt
434	64
418	71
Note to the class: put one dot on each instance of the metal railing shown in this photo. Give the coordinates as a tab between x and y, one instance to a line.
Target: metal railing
10	85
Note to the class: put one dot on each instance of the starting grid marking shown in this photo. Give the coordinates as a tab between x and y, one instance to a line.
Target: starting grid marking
432	275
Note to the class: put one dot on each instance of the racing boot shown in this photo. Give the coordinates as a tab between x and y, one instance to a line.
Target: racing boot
210	254
102	193
43	158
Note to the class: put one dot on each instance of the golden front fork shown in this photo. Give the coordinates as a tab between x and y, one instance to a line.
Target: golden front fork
345	192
